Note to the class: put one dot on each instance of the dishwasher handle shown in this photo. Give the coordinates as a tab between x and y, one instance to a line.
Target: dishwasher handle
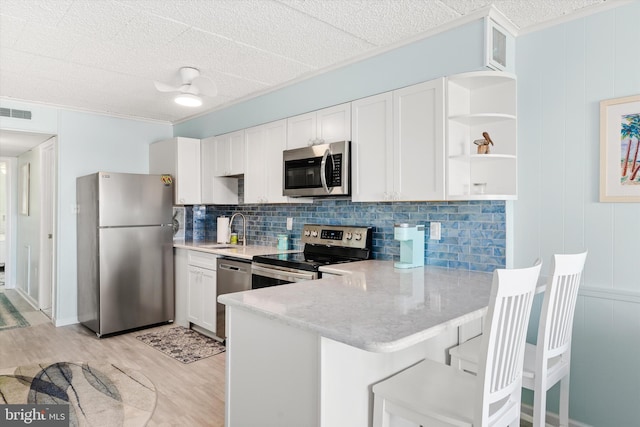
240	267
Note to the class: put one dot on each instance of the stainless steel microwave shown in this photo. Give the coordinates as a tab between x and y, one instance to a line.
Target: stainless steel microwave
318	170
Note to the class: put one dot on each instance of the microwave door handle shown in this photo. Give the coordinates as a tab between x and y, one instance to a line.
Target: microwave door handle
323	168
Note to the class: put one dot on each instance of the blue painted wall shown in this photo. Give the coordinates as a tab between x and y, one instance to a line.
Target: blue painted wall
563	73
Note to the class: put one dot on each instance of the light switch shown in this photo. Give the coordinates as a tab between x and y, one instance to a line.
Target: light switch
435	231
289	224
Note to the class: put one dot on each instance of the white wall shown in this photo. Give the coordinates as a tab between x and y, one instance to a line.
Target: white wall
563	74
89	143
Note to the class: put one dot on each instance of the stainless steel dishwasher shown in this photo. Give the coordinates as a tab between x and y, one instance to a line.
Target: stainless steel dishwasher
233	275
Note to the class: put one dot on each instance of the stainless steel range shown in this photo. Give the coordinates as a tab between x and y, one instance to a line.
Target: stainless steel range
323	245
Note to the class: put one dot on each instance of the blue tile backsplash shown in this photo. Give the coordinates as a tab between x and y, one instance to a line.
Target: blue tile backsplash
473	233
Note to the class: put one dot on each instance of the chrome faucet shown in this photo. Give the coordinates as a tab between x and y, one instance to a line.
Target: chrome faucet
244	227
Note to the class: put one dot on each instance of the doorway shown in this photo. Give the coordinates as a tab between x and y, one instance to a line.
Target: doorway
29	216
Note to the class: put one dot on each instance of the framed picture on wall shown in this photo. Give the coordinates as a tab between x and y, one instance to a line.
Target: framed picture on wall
23	194
620	149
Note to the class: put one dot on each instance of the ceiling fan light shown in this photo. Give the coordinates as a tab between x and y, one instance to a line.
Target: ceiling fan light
188	100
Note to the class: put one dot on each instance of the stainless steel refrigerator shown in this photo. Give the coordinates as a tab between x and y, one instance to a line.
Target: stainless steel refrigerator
125	251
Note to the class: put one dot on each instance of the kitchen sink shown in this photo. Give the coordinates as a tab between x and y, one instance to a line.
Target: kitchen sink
217	246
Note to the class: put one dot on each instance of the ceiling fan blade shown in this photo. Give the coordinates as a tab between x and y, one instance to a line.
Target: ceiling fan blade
205	86
163	87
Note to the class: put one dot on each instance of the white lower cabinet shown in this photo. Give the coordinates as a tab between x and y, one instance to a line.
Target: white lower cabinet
398	144
196	289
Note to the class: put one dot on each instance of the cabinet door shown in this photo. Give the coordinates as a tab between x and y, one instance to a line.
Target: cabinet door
371	148
181	274
194	295
418	159
275	142
254	185
334	124
301	130
214	189
263	176
222	154
187	178
179	157
208	299
236	153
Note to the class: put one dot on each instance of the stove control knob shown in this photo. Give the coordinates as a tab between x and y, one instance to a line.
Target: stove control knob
314	233
348	236
307	233
358	236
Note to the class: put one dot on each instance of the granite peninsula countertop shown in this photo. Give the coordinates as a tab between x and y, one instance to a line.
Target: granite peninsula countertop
372	305
228	250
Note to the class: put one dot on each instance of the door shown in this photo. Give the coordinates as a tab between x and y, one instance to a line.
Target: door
134	199
419	141
372	148
301	130
47	225
136	277
334	124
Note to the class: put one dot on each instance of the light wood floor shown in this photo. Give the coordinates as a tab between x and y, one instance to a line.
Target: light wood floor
188	394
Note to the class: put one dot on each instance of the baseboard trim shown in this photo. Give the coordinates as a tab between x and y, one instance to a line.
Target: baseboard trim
552	419
66	322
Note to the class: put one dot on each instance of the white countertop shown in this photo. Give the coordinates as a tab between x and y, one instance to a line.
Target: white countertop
374	306
234	251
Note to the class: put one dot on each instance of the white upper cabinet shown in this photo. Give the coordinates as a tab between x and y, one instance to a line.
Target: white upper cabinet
372	148
320	127
398	144
481	102
263	176
215	189
229	154
179	157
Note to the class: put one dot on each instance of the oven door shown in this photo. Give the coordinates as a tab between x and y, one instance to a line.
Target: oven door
263	275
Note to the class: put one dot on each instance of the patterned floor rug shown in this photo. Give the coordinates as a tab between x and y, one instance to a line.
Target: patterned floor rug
96	394
185	345
10	317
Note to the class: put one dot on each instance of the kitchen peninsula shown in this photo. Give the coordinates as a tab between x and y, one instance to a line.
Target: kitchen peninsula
307	353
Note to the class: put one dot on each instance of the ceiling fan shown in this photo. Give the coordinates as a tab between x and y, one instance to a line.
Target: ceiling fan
192	86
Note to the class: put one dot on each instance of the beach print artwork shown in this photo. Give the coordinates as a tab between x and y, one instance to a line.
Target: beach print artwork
630	143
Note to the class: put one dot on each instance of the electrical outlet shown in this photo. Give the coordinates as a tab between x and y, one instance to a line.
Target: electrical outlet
289	224
435	231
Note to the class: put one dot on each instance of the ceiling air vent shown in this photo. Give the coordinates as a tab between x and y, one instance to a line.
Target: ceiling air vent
16	114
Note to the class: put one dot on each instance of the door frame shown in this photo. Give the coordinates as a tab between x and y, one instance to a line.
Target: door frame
48	226
11	223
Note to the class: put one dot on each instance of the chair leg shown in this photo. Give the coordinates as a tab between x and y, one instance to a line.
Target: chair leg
564	401
381	417
539	407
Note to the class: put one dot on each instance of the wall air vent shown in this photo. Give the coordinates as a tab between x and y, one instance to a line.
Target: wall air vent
16	114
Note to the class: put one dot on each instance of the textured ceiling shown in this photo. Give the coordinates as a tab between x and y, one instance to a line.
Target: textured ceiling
103	55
